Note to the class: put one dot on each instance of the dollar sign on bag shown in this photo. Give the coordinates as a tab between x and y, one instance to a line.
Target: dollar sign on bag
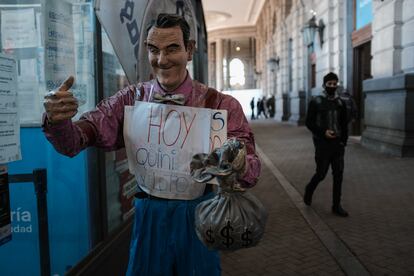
209	234
225	233
245	237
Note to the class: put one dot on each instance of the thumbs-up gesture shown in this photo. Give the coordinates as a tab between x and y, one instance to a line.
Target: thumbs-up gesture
61	105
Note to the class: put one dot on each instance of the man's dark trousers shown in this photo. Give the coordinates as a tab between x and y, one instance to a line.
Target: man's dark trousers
328	153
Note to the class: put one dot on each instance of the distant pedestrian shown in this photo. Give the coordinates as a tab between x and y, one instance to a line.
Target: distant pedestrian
252	107
327	119
258	106
270	104
263	106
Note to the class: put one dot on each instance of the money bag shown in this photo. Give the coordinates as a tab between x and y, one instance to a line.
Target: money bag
234	218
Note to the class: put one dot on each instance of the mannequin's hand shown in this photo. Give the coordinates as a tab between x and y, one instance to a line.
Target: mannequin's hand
61	105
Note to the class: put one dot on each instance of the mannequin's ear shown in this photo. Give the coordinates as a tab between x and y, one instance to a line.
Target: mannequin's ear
190	49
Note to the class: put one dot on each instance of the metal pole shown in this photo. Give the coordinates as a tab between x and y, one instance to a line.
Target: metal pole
40	184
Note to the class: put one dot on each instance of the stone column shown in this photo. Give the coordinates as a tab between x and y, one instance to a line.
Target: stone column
219	64
297	95
228	59
280	107
212	65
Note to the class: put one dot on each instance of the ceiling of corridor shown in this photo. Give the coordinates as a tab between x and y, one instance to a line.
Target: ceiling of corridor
221	14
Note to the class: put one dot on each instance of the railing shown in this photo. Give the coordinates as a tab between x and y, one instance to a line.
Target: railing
39	178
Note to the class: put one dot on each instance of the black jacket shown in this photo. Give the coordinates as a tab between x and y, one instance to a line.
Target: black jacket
324	114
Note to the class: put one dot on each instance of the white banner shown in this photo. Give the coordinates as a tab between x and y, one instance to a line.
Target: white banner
161	140
122	22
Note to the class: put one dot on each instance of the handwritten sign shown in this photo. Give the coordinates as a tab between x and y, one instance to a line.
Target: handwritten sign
161	140
218	129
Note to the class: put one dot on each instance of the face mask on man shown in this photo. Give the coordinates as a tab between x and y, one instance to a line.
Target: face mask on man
330	90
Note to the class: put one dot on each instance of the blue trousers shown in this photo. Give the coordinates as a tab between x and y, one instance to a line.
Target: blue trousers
164	241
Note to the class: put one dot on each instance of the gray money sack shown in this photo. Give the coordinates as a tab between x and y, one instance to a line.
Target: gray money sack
234	218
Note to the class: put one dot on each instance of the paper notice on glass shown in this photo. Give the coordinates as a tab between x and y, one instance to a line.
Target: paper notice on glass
18	29
28	96
9	138
59	44
8	84
9	120
160	141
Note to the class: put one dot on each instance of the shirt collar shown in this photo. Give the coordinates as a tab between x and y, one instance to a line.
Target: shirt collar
333	97
185	88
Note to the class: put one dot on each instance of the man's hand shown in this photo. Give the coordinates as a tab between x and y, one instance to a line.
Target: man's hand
61	105
226	163
330	134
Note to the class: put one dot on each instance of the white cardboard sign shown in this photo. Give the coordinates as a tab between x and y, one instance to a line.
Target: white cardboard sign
161	140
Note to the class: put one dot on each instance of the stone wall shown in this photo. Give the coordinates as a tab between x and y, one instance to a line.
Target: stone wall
389	103
388	98
283	40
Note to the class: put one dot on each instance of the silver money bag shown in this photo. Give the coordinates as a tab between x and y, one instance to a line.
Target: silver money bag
234	218
230	221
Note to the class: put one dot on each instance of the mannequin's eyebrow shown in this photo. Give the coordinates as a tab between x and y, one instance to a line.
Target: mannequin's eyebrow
150	45
169	46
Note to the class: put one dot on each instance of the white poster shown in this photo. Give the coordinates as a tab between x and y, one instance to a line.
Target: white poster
28	87
83	29
18	29
59	45
9	120
162	139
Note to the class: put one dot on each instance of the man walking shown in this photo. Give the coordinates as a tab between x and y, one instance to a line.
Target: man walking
252	107
327	120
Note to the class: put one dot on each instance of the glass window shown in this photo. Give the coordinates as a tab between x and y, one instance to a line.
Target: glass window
120	185
21	38
50	40
237	76
363	13
48	49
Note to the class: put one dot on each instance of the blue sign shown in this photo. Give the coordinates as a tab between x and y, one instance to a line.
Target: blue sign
363	13
69	229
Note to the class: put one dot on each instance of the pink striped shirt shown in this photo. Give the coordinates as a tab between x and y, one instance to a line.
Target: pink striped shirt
103	126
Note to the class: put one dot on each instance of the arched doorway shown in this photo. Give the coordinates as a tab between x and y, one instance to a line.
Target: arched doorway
237	74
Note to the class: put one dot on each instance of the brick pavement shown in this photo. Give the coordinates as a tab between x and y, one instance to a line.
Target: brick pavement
378	192
289	246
